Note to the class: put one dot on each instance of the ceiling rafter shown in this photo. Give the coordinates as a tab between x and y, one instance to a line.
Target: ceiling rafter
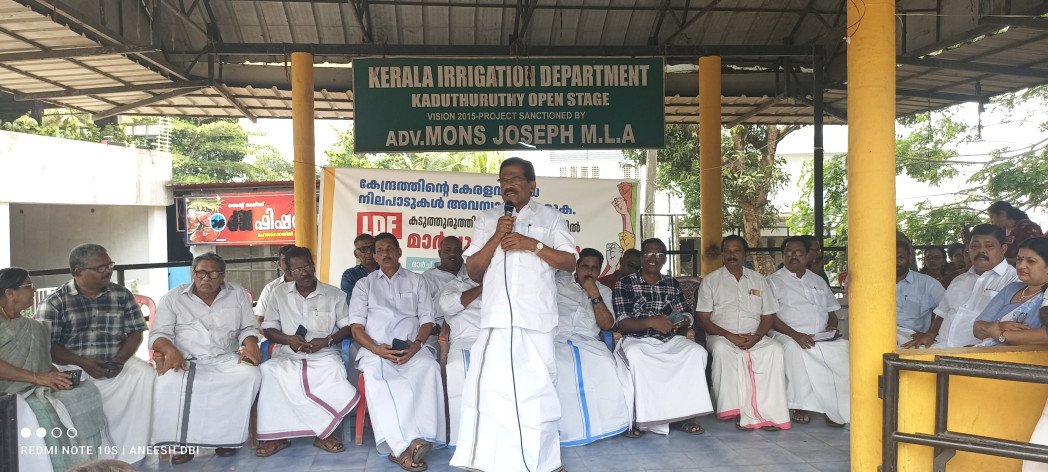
690	21
144	102
72	53
70	92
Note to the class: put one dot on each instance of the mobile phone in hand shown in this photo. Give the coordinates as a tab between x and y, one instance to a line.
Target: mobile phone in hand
301	331
74	377
399	345
677	318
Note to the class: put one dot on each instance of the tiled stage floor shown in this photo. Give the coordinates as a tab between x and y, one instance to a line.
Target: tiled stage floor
813	447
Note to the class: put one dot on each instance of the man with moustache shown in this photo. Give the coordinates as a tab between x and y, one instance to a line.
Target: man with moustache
916	294
206	342
628	264
591	397
816	372
969	292
449	268
304	388
96	325
393	305
664	374
364	250
737	309
263	296
510	408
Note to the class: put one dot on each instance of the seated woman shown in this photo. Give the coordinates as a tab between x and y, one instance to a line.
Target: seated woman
1012	318
46	397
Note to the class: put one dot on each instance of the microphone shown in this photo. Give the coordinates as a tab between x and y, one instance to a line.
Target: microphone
508	208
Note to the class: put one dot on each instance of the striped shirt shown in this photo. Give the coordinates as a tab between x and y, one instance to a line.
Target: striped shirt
91	327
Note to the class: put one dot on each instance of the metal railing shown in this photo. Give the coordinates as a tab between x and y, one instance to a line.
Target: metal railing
946	442
121	269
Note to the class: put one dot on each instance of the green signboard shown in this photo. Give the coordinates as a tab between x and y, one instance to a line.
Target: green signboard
416	104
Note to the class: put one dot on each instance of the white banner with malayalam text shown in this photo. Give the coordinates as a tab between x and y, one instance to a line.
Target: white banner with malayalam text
421	208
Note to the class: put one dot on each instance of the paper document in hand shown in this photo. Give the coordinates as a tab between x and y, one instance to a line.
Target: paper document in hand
825	335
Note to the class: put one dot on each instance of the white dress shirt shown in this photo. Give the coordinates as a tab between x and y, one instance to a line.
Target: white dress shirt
263	296
464	320
576	309
736	305
804	302
436	279
966	297
530	285
322	312
915	298
391	307
200	331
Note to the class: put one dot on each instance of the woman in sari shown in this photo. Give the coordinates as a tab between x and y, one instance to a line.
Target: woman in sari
46	398
1016	225
1012	318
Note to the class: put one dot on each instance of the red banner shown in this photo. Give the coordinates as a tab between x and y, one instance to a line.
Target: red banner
241	220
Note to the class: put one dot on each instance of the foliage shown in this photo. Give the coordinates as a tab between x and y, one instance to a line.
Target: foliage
343	155
209	150
269	165
63	123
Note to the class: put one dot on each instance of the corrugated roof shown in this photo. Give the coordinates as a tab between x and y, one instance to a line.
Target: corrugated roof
206	56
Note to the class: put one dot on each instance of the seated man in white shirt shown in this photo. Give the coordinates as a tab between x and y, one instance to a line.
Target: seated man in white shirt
304	388
816	372
664	374
206	344
969	292
592	404
263	296
451	266
391	313
737	310
916	295
460	301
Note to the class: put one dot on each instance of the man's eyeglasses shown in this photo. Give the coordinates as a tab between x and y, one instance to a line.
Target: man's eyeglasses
366	249
29	286
208	275
654	254
306	269
102	269
519	179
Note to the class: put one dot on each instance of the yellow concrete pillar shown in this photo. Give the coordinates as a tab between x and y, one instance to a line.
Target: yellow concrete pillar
711	197
871	216
305	166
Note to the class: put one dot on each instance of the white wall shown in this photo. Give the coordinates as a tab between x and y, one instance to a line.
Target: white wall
42	169
43	235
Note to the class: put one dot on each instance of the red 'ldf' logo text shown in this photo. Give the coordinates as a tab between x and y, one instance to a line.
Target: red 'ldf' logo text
377	222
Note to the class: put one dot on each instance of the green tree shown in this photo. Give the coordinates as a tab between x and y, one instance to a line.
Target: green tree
751	173
343	155
270	166
209	151
68	124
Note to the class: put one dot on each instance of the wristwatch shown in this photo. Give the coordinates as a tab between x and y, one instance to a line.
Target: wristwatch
596	300
1000	338
538	247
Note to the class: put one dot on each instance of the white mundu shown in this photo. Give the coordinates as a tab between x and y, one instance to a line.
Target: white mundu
304	394
817	378
406	401
465	326
592	401
964	301
510	408
750	384
186	403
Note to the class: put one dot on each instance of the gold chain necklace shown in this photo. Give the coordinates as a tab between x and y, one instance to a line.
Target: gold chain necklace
1023	294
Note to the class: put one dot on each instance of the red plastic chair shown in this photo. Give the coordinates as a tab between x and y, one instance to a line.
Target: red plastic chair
362	410
146	303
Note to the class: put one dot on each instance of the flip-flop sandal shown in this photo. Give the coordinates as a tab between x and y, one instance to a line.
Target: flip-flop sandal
692	427
770	428
271	447
329	444
800	417
633	433
419	448
421	467
741	427
833	424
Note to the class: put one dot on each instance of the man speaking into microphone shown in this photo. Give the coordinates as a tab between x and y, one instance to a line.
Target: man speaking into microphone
509	406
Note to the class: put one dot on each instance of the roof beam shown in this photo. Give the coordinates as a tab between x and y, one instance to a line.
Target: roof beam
67	16
983	28
108	90
228	95
973	67
525	21
184	17
363	13
653	38
557	6
360	50
690	21
755	111
71	53
826	107
144	102
1038	22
